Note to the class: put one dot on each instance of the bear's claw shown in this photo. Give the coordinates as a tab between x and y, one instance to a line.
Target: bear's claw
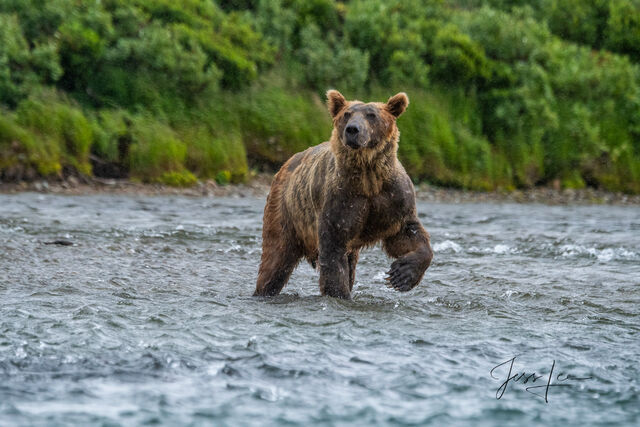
402	275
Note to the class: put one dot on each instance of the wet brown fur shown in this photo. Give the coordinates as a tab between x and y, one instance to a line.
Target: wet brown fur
329	201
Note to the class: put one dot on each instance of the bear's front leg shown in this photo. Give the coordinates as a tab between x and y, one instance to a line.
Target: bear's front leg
341	220
412	248
334	274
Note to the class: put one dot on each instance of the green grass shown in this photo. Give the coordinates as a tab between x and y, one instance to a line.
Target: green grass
62	135
441	140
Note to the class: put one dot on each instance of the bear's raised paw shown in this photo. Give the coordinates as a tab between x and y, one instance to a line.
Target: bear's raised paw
405	274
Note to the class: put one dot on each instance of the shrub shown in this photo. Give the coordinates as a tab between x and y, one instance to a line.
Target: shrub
276	122
457	60
326	64
623	28
582	21
21	67
213	146
178	179
155	150
17	149
438	145
65	132
395	34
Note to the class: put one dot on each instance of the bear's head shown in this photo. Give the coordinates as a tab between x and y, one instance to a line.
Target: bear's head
361	126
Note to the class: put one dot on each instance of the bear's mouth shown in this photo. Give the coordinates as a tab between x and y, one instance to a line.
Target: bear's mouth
354	143
360	140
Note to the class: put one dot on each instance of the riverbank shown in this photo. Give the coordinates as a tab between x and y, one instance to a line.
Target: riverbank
259	185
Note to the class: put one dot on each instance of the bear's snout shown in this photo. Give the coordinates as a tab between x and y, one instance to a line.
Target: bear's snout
352	129
355	134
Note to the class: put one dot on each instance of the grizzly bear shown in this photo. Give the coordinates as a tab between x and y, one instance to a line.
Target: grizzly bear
331	200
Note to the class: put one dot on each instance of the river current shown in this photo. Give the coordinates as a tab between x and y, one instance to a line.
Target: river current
147	318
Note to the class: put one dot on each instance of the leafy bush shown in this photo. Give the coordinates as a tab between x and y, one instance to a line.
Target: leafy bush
214	145
23	67
17	155
438	146
582	21
396	34
155	150
327	62
65	132
457	60
178	179
623	27
277	122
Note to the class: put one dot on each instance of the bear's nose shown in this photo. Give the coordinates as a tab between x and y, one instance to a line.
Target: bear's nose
352	129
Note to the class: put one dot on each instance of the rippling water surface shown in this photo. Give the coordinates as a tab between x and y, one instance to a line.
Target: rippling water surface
148	318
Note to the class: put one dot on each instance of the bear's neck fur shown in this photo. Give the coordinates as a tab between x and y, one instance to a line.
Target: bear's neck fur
364	171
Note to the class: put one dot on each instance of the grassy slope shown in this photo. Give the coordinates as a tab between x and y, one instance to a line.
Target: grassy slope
261	127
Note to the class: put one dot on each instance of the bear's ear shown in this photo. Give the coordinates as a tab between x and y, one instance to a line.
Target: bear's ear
335	101
397	104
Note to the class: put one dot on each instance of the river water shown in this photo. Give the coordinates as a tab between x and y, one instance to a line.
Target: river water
148	318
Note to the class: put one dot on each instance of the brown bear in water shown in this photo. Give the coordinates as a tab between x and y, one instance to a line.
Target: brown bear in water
329	201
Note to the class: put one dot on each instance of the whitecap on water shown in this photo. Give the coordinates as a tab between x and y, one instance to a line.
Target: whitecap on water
602	255
499	249
379	276
215	367
447	245
508	293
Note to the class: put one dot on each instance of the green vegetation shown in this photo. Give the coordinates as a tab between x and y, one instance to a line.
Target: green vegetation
504	93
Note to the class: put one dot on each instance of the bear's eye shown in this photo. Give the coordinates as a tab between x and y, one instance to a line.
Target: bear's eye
371	115
347	114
